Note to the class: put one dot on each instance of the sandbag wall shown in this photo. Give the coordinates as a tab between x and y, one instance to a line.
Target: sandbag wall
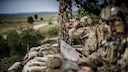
36	59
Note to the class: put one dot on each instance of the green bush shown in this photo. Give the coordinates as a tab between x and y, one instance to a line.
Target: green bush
4	48
50	42
49	22
30	38
53	30
19	43
15	58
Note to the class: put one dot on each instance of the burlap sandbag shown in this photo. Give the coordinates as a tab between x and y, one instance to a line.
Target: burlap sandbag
52	70
54	63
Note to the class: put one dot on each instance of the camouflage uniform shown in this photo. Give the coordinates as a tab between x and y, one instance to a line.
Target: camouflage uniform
86	32
90	41
79	29
109	57
112	56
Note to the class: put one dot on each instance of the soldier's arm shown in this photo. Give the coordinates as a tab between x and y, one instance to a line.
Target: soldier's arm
96	59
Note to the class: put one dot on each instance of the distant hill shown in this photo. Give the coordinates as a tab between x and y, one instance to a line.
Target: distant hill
29	14
26	14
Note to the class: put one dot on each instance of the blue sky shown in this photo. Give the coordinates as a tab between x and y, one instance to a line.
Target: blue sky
19	6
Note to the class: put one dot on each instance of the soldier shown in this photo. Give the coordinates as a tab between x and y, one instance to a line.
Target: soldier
83	29
90	44
73	33
76	32
112	56
118	30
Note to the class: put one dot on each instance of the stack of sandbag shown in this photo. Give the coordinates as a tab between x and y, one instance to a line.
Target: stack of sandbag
37	57
37	64
41	51
49	60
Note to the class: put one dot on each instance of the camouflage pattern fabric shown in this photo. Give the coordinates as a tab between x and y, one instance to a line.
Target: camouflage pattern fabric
123	61
99	33
108	58
69	24
90	41
86	20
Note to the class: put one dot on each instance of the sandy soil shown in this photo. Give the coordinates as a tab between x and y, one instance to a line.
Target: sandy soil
37	26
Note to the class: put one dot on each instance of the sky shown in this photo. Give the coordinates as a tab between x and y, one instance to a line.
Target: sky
21	6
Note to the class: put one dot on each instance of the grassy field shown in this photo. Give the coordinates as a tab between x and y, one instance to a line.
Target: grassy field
19	19
4	28
44	30
18	22
53	17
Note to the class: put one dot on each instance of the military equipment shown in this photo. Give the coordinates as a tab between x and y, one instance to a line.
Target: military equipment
105	13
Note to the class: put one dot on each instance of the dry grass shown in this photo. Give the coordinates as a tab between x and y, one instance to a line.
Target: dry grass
18	22
53	17
4	28
44	30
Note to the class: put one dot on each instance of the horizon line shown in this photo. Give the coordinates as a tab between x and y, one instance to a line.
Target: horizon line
24	12
28	12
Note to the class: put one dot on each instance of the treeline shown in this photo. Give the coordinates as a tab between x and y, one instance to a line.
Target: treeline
95	6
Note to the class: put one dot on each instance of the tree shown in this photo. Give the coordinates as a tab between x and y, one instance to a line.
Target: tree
30	38
91	6
13	42
4	48
36	17
30	20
